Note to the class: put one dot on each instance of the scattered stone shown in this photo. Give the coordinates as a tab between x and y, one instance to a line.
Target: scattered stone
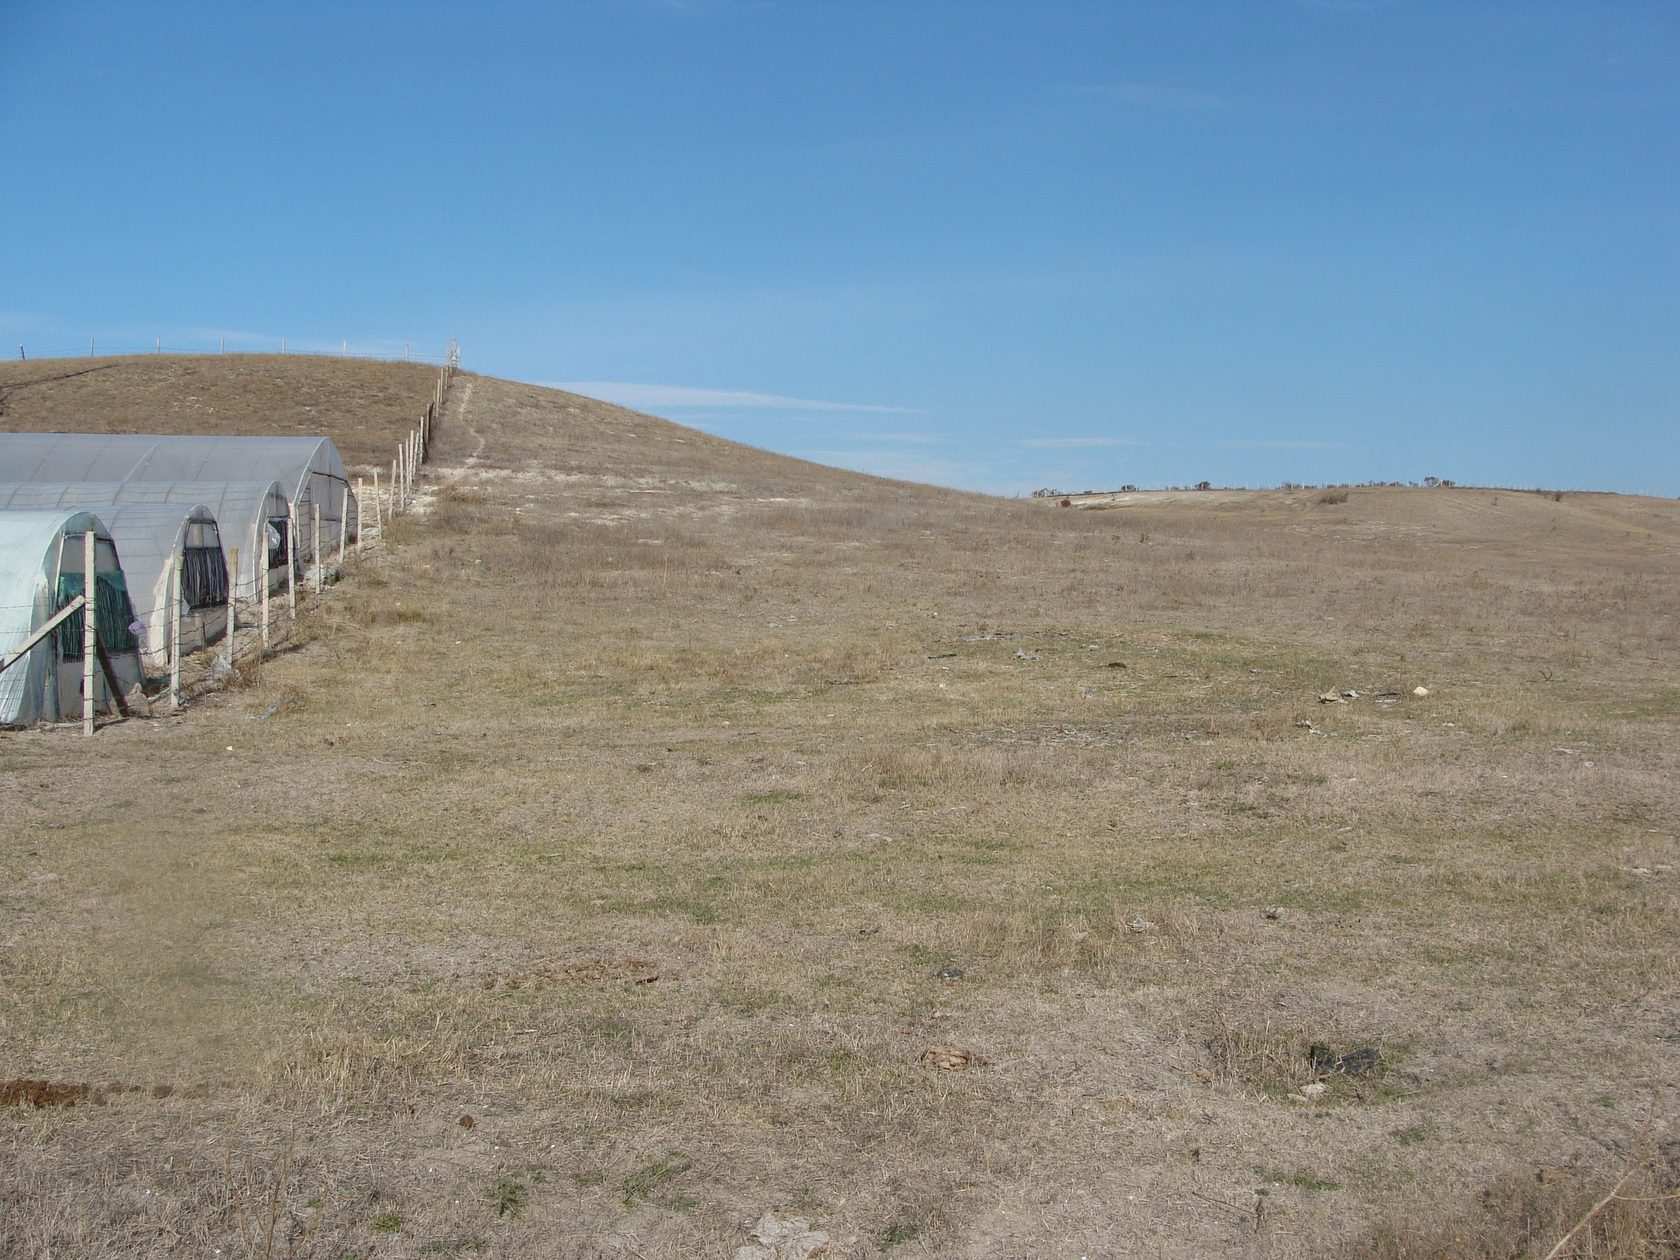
1420	691
870	930
1314	1091
466	1121
1140	925
1350	695
1331	697
1021	655
779	1238
1115	665
1275	912
951	1058
950	973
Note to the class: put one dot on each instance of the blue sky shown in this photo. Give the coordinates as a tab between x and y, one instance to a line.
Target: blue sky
998	246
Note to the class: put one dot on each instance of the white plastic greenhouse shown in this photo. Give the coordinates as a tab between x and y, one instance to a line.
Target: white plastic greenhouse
41	571
150	538
308	469
250	515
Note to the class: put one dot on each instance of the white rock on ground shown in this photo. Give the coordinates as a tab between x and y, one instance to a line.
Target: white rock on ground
776	1238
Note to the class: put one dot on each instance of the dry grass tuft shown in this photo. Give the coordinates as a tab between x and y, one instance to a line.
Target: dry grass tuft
1552	1214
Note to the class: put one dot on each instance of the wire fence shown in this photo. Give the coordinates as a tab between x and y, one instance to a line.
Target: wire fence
100	347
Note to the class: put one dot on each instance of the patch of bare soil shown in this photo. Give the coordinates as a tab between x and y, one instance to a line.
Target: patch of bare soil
23	1091
20	1091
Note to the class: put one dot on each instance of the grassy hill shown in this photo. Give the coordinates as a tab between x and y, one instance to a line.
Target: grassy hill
592	873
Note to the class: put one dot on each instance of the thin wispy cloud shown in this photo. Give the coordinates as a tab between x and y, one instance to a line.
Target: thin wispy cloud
648	397
1277	446
1078	443
1154	95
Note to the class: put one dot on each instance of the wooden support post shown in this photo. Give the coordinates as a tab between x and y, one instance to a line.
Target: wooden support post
396	490
344	523
90	611
175	636
378	513
233	603
360	528
291	560
315	546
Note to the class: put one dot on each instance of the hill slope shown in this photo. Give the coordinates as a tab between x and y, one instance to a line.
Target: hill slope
589	876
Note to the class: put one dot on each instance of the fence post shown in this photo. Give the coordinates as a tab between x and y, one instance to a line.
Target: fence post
396	492
344	522
291	560
175	638
315	546
90	610
359	528
378	514
233	614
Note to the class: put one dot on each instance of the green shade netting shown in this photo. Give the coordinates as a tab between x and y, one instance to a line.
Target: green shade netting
115	614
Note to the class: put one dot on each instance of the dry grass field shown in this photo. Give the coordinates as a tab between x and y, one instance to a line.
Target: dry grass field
656	833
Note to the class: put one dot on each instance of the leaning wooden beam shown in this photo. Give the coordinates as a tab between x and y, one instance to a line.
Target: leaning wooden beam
111	680
46	629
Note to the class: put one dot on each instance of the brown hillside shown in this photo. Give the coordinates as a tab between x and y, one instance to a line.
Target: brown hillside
654	834
364	406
